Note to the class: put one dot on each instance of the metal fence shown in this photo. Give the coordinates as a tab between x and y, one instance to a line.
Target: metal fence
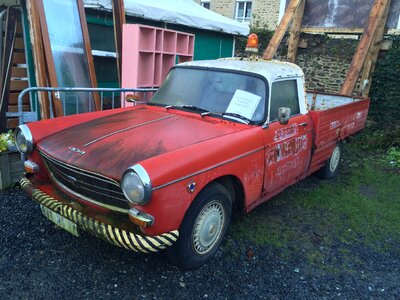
73	100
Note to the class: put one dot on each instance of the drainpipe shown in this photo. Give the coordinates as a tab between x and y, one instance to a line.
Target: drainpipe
2	14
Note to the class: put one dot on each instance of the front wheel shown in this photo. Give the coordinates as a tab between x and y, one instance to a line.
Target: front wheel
203	228
331	167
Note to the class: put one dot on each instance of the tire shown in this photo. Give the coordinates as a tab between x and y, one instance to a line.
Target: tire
203	228
331	167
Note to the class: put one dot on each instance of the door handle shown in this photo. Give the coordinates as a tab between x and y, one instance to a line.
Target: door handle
303	124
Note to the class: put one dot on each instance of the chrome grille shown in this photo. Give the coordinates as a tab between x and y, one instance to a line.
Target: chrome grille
91	187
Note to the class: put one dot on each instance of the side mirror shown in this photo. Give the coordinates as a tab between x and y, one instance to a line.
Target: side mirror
132	98
283	115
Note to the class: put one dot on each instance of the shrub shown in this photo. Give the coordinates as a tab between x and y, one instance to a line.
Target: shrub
6	140
385	88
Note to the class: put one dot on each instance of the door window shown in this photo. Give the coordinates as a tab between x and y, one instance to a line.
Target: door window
284	94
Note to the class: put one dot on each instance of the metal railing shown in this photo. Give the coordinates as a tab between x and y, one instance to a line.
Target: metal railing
73	100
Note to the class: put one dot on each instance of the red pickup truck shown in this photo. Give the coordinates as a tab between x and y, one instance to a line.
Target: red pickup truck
218	135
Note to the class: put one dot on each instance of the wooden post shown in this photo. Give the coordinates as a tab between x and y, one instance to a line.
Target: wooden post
119	20
295	32
38	57
89	56
359	57
5	174
372	57
281	29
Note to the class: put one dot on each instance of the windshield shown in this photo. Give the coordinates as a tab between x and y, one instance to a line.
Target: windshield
215	91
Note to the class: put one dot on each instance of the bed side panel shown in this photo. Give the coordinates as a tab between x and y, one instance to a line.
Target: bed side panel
333	125
340	122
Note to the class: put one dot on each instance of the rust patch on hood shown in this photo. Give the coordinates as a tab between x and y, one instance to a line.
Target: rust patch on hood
113	143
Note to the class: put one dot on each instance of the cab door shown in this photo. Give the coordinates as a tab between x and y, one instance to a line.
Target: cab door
287	147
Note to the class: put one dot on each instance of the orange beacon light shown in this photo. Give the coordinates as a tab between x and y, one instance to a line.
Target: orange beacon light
252	43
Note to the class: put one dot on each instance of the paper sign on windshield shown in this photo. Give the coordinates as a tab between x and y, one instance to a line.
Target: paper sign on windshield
243	103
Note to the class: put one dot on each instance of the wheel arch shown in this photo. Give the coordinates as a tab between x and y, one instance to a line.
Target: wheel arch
235	188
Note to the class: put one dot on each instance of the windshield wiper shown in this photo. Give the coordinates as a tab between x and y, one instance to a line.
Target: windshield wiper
228	114
238	116
187	107
195	108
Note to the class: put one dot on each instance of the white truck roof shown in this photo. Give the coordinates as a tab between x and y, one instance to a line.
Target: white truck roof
271	70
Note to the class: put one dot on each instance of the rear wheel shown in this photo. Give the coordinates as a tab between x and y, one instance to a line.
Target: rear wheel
203	228
331	167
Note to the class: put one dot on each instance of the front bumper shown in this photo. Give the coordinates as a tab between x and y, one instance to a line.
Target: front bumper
112	234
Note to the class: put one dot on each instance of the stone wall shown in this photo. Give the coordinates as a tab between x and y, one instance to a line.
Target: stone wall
323	73
224	7
265	13
325	61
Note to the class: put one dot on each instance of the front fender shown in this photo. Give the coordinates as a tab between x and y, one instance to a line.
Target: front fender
240	155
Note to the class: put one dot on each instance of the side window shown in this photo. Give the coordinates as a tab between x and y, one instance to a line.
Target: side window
284	94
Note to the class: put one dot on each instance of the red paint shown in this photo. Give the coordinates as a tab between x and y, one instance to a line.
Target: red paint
177	148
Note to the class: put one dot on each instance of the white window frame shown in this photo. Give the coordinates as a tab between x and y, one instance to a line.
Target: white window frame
398	23
282	8
243	19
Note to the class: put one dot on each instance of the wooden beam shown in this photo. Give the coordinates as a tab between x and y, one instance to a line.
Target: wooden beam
372	57
38	57
294	36
331	30
119	20
281	29
89	56
362	50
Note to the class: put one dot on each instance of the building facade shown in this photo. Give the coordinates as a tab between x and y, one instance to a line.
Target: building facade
257	13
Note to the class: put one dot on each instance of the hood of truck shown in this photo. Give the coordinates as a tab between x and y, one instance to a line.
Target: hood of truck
109	145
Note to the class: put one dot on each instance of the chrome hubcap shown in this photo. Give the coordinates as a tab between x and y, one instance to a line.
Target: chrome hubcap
335	158
208	227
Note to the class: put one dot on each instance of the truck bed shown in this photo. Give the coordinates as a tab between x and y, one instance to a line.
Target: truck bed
335	118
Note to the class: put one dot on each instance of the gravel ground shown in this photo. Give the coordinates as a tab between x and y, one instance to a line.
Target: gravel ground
38	260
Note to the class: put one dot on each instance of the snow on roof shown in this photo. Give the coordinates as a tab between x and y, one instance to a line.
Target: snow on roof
271	70
183	12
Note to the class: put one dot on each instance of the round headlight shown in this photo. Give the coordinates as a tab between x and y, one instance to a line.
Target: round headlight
23	139
136	185
133	187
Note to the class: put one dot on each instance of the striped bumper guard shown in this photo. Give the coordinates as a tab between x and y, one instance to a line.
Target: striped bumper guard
119	237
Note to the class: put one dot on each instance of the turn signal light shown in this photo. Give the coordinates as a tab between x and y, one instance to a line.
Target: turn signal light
252	43
139	218
31	167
